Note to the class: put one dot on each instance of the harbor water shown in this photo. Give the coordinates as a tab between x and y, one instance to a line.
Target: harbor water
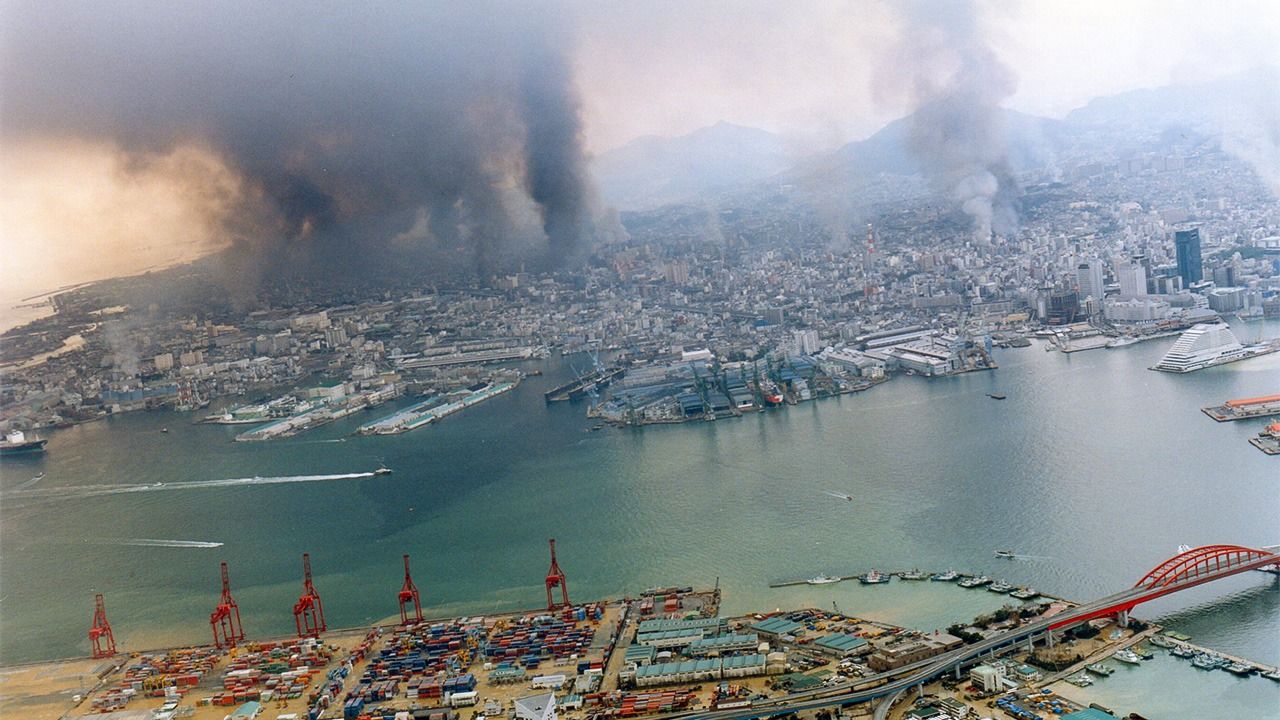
1093	470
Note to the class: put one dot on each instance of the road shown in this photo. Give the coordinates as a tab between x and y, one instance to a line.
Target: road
926	670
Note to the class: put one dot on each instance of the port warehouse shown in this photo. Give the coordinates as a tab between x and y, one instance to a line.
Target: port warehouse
1245	408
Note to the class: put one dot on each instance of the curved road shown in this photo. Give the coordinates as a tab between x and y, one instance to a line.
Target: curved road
921	672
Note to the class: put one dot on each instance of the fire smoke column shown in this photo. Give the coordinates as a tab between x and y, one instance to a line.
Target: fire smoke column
957	84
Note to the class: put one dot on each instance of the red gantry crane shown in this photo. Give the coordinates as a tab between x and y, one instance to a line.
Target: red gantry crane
409	592
104	643
556	578
308	612
225	618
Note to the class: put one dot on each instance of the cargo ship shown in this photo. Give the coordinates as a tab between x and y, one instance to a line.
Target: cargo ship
1209	344
16	443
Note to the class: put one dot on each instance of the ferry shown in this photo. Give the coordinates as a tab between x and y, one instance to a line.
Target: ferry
948	576
1209	344
1123	341
823	580
16	443
1025	593
1100	669
1000	586
1126	656
873	578
916	574
1007	554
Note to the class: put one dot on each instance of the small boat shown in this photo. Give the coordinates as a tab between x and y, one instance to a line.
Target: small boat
164	430
1142	652
916	574
973	582
1081	680
1205	662
382	471
1102	669
996	396
1161	641
1182	651
1240	669
1272	675
1007	554
39	476
823	580
1122	341
1126	656
873	578
1000	586
948	576
842	496
1024	593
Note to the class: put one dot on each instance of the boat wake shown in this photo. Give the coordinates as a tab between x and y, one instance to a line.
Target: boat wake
148	542
88	491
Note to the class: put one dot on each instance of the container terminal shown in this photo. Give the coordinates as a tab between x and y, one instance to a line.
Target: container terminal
663	652
1244	408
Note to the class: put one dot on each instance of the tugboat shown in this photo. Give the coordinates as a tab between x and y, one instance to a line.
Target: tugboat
873	578
973	582
948	576
1024	593
1100	669
916	574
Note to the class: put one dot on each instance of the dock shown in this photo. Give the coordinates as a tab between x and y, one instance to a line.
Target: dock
1244	408
1257	666
583	385
433	409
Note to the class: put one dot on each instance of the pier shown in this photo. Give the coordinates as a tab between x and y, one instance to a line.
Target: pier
1244	409
583	385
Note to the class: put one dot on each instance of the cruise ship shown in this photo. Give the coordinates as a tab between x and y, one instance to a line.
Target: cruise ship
1206	345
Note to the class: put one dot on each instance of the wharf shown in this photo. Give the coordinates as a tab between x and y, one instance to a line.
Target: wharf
1244	409
584	384
1266	444
1257	666
432	409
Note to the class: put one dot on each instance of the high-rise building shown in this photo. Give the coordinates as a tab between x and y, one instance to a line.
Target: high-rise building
1132	277
1190	266
1089	279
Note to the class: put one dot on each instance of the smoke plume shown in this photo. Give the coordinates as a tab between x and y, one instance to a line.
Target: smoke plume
957	84
421	134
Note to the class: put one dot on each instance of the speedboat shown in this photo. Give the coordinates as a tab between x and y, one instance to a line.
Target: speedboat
1126	656
382	471
1000	586
823	580
948	576
1008	554
873	578
916	574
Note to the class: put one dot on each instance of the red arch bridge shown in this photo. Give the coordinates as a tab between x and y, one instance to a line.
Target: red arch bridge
1187	569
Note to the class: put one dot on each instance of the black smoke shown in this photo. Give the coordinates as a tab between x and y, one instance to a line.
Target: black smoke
382	137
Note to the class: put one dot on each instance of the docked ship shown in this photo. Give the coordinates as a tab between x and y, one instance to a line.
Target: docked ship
16	443
1209	344
823	580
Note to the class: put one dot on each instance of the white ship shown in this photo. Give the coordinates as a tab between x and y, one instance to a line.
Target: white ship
1206	345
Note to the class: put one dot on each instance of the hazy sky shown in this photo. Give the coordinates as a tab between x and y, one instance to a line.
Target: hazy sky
810	68
76	203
